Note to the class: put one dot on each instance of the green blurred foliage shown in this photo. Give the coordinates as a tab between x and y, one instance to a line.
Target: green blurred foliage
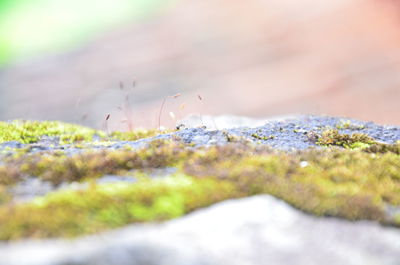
33	27
5	4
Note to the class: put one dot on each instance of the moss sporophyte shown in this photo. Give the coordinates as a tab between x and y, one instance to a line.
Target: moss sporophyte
355	184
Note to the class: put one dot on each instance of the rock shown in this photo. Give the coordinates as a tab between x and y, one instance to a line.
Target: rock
253	231
293	132
225	121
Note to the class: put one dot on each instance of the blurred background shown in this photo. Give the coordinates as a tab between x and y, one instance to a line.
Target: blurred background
80	60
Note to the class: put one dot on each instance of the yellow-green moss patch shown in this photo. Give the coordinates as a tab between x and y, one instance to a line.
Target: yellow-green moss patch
380	148
347	124
71	213
333	137
262	137
32	131
134	135
331	182
57	167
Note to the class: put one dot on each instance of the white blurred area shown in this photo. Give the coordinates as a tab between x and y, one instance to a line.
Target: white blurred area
256	58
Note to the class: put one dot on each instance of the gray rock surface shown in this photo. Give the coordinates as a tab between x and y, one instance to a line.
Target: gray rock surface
252	231
284	133
226	121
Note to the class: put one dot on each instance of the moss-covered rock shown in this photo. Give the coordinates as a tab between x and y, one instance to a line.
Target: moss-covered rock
360	183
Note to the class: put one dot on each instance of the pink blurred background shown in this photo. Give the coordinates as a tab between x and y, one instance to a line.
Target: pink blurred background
256	58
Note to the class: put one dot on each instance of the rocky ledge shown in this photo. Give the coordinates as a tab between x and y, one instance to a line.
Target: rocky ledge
300	190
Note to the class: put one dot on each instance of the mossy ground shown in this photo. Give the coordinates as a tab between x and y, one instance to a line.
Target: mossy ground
355	184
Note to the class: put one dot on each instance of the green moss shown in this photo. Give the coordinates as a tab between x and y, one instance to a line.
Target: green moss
134	135
347	124
32	131
380	148
352	184
342	183
71	213
262	137
331	137
57	167
5	197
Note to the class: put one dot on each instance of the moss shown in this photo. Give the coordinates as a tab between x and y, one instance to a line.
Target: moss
32	131
134	135
343	183
262	137
352	184
331	137
334	182
27	132
231	138
347	124
71	213
383	148
9	174
5	196
57	167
